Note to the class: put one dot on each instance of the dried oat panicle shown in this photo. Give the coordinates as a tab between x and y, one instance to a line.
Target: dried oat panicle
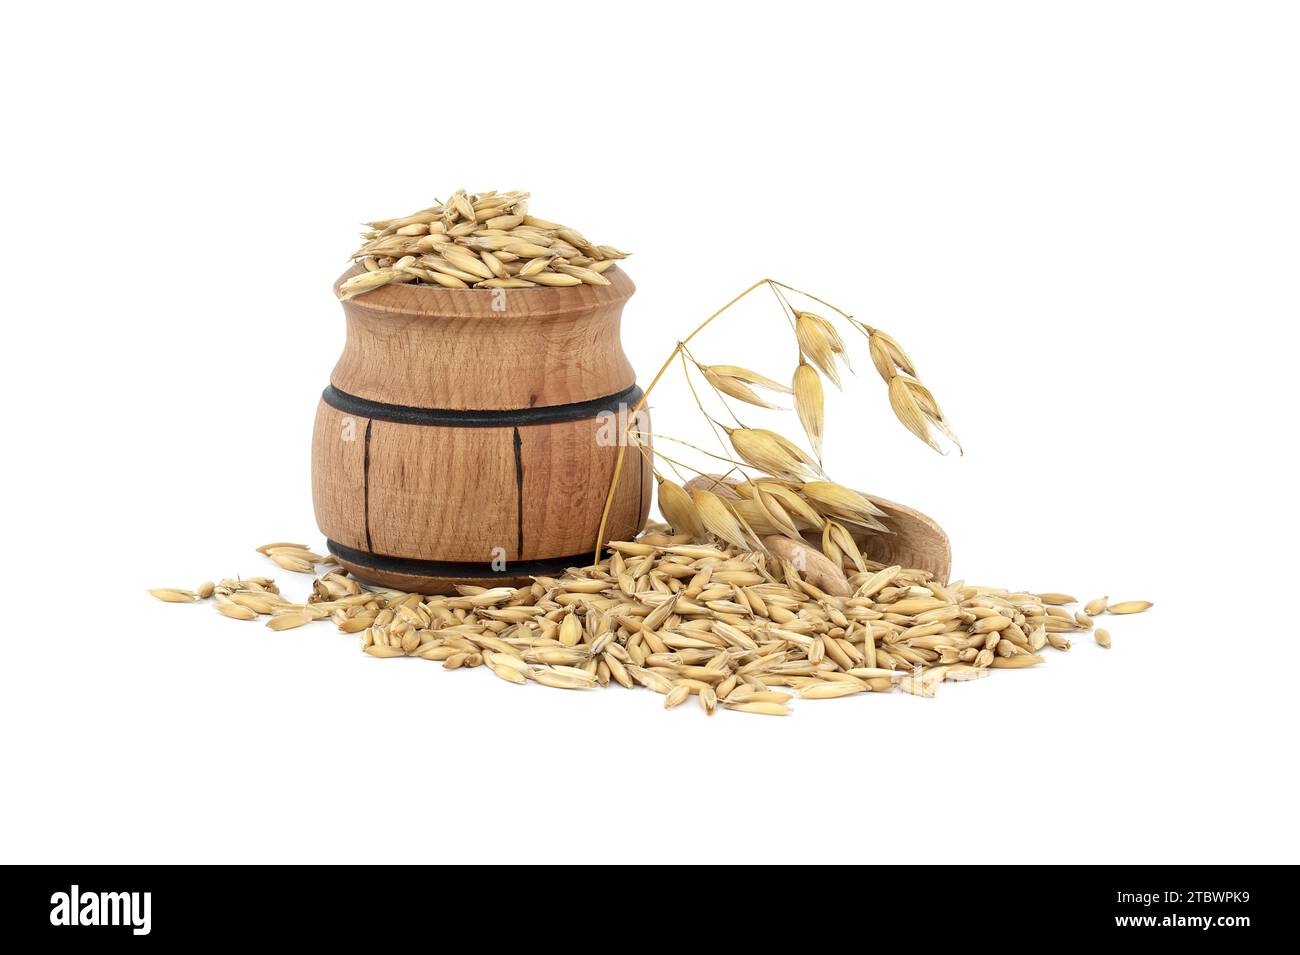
820	350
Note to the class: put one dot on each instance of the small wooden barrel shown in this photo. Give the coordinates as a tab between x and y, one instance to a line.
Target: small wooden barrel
469	436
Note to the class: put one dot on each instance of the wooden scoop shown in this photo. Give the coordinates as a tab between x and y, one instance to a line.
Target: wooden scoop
917	540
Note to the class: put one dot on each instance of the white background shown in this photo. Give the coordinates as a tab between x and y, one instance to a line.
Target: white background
1080	219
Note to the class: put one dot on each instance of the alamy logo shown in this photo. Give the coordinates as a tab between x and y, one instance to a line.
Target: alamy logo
102	908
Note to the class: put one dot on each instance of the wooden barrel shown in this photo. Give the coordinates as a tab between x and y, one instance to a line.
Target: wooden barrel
469	435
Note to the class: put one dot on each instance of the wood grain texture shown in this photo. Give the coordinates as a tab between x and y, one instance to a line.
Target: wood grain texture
338	476
475	493
430	347
918	540
453	494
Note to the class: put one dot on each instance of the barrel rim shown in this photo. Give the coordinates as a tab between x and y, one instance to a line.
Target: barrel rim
435	302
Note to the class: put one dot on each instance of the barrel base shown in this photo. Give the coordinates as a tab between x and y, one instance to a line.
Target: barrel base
436	577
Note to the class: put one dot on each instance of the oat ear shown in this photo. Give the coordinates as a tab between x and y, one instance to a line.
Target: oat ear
718	519
930	408
838	535
752	378
811	332
679	510
887	355
906	409
837	501
809	403
733	386
771	508
771	453
794	503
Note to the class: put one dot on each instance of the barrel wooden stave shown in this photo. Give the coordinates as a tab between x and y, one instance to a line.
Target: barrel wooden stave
458	494
338	449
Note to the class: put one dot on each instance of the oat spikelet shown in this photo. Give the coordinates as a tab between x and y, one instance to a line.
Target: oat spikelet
837	537
903	400
734	385
930	408
809	402
751	378
835	500
718	519
679	510
790	500
774	513
887	356
819	340
756	517
773	453
830	548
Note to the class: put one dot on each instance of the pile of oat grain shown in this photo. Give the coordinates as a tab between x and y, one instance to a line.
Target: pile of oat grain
739	630
486	240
